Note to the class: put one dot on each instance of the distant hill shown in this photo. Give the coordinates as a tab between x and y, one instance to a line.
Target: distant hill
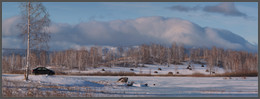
16	51
10	51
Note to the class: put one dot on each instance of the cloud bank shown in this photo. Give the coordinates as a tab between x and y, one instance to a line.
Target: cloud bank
226	8
131	32
184	8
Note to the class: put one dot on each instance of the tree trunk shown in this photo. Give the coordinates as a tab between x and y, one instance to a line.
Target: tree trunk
28	45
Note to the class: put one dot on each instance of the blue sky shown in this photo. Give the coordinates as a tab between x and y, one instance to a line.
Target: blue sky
73	13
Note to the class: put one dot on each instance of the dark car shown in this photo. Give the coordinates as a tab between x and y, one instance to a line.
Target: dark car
42	70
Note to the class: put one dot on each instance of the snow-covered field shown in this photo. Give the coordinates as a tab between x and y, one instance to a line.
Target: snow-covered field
149	69
106	86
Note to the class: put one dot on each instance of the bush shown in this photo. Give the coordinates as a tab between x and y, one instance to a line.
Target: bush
207	70
170	73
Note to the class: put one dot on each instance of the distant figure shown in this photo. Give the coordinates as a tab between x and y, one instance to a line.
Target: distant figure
202	65
103	69
132	69
159	69
177	72
155	72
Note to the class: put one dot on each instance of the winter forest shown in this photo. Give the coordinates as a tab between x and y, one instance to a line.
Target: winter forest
238	62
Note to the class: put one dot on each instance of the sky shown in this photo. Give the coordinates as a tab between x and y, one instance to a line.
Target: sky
76	24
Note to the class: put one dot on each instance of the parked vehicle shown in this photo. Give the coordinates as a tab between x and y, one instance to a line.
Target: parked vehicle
42	70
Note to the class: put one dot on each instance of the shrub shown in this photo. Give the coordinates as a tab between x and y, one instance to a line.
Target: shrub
207	70
170	73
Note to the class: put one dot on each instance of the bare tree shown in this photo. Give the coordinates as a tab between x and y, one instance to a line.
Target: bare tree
162	54
95	56
168	57
18	63
35	20
181	53
43	58
145	54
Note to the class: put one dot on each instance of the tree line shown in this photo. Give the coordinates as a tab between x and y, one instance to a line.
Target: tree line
83	58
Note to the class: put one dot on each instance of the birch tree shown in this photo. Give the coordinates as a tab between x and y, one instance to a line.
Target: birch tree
35	20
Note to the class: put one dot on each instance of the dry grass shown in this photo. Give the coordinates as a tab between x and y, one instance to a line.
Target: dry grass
21	89
14	72
15	92
197	74
238	74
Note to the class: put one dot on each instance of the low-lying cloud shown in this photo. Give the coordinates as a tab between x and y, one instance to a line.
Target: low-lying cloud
137	31
9	26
